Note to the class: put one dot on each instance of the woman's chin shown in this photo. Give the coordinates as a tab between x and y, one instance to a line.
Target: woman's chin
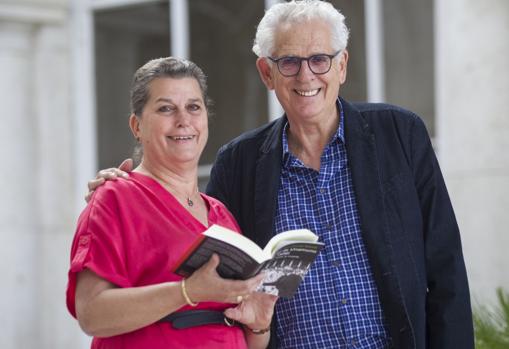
185	159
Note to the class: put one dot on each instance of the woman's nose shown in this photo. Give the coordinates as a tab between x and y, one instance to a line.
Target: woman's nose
183	118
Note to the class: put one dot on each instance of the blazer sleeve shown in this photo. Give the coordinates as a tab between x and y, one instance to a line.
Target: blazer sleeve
449	317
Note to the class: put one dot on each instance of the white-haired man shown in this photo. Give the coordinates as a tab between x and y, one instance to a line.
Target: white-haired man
365	178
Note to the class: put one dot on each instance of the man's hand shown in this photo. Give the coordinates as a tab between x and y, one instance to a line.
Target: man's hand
254	311
108	174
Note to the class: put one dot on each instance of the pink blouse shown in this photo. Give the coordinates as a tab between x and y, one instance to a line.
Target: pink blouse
132	233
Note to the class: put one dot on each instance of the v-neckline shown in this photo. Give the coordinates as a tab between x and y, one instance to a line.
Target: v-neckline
159	187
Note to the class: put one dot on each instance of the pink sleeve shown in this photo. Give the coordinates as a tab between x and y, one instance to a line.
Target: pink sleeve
98	244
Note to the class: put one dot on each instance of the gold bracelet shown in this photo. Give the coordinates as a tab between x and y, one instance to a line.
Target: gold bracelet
184	293
262	331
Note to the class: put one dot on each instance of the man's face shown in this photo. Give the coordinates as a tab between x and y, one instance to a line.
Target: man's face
305	97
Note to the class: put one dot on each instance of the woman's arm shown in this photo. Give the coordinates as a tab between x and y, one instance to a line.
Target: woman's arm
104	310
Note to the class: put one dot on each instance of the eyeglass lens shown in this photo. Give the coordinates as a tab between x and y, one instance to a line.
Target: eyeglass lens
319	64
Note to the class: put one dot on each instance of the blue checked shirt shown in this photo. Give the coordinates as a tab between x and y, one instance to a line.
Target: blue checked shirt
337	305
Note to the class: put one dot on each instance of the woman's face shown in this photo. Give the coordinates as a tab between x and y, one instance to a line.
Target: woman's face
173	127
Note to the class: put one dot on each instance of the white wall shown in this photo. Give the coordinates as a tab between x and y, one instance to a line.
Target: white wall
19	213
37	214
472	84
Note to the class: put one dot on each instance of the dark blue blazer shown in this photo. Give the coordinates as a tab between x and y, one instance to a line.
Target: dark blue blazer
407	221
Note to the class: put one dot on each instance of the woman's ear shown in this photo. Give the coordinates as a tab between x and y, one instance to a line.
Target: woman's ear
134	124
265	71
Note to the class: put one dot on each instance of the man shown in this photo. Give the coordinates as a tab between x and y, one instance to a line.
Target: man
364	177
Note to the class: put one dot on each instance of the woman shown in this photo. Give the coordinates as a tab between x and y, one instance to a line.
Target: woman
133	231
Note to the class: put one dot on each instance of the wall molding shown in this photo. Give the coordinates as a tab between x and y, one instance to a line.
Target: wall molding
33	13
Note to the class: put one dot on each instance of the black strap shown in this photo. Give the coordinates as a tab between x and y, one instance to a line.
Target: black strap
192	318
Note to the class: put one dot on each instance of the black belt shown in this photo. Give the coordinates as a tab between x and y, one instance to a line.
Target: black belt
192	318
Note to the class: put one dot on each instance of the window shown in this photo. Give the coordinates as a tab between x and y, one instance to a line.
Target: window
220	40
222	34
354	88
125	38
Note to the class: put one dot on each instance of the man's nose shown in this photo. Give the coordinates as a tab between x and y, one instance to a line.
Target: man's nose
305	72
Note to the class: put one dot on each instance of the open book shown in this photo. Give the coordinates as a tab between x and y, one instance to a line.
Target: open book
284	260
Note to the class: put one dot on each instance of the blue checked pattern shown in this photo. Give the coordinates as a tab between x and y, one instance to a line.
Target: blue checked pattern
337	305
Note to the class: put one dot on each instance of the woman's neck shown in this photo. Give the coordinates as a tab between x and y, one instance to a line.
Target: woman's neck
182	183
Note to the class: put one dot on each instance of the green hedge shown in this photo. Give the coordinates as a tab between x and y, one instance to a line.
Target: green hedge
491	324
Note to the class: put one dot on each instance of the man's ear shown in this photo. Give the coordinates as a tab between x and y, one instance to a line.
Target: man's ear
134	124
265	71
343	64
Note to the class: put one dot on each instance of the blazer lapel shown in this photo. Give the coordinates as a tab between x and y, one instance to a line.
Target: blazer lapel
362	159
268	171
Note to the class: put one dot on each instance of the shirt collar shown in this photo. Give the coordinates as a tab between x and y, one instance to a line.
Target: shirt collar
288	157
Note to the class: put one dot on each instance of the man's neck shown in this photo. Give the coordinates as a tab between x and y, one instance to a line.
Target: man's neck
307	141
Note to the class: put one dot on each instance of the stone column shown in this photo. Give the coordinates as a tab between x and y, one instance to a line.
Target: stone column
472	93
54	181
37	211
19	214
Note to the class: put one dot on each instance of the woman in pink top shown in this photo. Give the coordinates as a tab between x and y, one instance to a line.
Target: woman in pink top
121	288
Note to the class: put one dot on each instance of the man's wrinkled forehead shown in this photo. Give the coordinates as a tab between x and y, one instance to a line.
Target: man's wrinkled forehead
310	35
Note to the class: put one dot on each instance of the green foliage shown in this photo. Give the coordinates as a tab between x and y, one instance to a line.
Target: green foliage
491	324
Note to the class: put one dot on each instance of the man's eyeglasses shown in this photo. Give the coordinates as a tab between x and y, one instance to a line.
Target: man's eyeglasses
290	65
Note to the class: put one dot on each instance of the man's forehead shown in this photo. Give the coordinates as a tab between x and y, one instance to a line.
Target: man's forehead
305	40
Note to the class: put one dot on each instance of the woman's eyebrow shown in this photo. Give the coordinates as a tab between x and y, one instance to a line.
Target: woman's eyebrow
164	99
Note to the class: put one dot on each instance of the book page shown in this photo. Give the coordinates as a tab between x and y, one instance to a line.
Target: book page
291	235
238	240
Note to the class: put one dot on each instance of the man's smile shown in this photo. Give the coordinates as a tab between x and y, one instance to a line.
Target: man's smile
308	93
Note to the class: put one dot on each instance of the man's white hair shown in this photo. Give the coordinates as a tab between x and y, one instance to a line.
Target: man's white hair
296	12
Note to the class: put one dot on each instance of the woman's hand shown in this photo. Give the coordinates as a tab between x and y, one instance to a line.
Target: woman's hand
205	284
255	312
108	174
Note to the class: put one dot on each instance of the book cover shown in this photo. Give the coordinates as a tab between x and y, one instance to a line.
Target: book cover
284	261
